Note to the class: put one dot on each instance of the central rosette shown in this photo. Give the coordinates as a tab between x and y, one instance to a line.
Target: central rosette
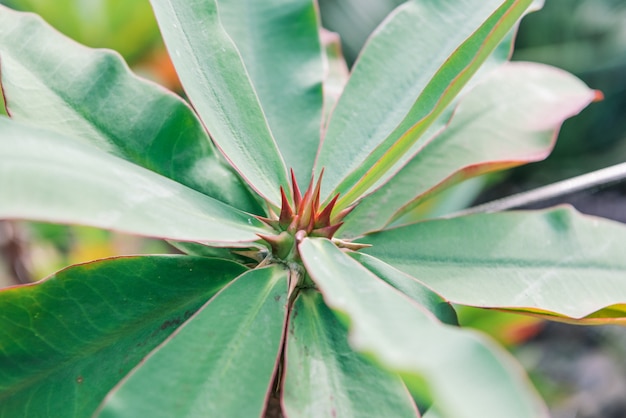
305	218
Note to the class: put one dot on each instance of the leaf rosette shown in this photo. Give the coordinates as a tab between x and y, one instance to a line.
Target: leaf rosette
331	302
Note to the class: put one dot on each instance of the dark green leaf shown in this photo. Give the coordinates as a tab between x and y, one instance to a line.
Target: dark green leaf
220	363
67	340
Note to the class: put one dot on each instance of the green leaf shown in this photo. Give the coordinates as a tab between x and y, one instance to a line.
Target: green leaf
91	95
325	378
337	72
280	47
410	287
46	177
499	56
220	363
215	79
509	119
67	340
463	373
556	261
411	68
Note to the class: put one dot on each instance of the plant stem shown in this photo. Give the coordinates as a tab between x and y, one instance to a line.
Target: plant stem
13	252
602	177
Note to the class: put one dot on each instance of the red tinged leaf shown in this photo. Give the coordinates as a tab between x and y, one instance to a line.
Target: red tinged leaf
327	231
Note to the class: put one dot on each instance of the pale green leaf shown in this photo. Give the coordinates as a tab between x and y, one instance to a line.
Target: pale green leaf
215	79
47	177
461	372
91	95
279	44
510	118
556	262
408	73
410	287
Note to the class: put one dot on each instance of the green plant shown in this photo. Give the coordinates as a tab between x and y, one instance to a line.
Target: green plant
334	301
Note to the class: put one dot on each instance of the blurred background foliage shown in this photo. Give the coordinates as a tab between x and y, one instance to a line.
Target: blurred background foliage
580	370
126	26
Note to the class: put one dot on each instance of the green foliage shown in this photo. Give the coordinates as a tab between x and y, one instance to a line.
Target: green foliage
322	297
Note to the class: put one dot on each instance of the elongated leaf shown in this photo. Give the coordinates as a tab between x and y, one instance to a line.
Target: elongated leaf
409	94
215	79
66	341
500	55
325	378
509	119
46	177
91	95
220	363
278	41
410	287
555	261
337	72
464	374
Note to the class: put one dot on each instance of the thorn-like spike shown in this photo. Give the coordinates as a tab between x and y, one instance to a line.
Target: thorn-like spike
281	244
286	213
327	231
354	246
272	240
315	202
271	222
305	210
293	226
324	216
306	198
297	196
311	224
342	214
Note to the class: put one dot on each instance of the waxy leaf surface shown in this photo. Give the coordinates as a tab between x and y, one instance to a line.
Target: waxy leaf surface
461	372
326	378
220	363
280	47
557	261
214	76
411	69
508	119
91	95
47	177
67	340
410	287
